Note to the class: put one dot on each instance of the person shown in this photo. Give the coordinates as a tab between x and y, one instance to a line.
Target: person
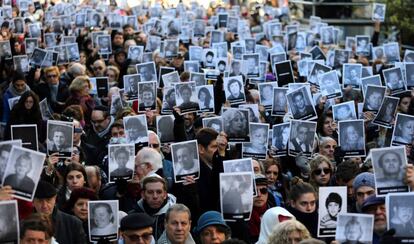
36	229
121	156
146	73
333	204
137	228
235	68
301	107
395	81
135	130
281	137
209	60
363	186
353	77
301	142
74	177
211	228
379	12
185	94
169	100
373	101
258	144
351	139
401	218
233	189
184	162
321	171
327	147
103	221
59	140
272	218
16	88
329	85
279	101
104	43
235	123
404	132
234	87
147	100
147	162
135	54
353	231
205	100
289	231
343	112
362	46
266	95
375	206
20	180
252	67
177	226
164	132
392	170
131	87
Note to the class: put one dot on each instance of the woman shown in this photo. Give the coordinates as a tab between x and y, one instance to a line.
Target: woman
404	133
235	123
79	94
103	220
353	140
16	88
205	100
326	126
276	184
321	171
290	231
74	177
77	204
112	72
271	218
258	144
302	204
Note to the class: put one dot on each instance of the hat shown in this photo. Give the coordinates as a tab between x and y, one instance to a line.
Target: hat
136	221
210	218
45	190
260	179
364	179
371	201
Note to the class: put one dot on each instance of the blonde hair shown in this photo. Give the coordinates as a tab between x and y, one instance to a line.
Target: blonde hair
51	69
280	234
78	82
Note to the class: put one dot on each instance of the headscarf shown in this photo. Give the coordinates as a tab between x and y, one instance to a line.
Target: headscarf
271	218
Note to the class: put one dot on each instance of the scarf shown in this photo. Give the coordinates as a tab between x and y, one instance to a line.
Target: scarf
255	219
14	92
104	132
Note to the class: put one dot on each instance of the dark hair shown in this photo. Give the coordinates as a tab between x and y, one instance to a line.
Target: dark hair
208	96
233	81
185	87
18	76
380	160
154	179
75	111
205	136
106	206
346	171
134	121
103	109
321	122
76	167
37	222
19	113
82	192
117	124
121	150
333	197
299	187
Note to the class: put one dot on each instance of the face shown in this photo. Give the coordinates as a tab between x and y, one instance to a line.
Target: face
306	203
327	126
343	113
261	199
202	96
407	130
34	236
363	193
186	95
44	206
80	209
328	149
75	179
28	104
272	173
380	217
147	97
302	133
122	159
404	213
211	235
333	209
117	132
390	163
323	178
294	237
375	100
178	226
238	122
353	232
98	121
393	77
19	85
267	92
154	194
235	89
59	138
184	156
256	167
259	137
23	166
101	217
141	236
208	153
299	101
404	104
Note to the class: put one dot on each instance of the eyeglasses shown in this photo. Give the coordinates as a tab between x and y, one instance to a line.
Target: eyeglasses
97	121
145	237
325	171
263	191
154	145
51	76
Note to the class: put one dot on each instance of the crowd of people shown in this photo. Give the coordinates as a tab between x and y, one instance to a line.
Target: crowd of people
184	124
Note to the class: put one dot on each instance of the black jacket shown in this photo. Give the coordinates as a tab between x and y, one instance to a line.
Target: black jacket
68	228
43	90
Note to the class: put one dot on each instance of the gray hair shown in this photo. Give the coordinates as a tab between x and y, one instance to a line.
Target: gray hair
149	155
178	207
77	69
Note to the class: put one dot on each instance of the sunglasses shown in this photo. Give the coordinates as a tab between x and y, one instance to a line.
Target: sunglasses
145	237
325	171
154	145
51	76
263	191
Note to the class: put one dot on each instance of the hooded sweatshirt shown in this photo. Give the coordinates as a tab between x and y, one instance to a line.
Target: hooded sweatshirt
270	219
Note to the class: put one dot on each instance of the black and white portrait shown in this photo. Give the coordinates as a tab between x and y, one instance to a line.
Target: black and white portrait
62	55
332	202
186	97
232	24
103	220
131	86
94	19
21	63
60	138
279	105
389	167
5	149
234	90
221	49
409	75
18	25
164	125
147	95
163	71
116	104
316	72
378	53
216	36
352	75
236	124
221	65
352	137
5	50
121	161
215	123
26	133
354	228
73	52
196	53
136	129
80	20
35	30
392	52
104	44
236	68
266	94
394	80
198	78
280	139
254	116
237	51
191	66
386	113
370	80
9	222
147	71
362	45
300	103
341	57
251	65
199	28
185	160
400	211
404	130
329	85
168	101
344	111
23	170
378	12
238	165
153	43
205	96
302	136
30	45
37	57
257	147
171	48
350	43
327	35
373	98
236	190
209	58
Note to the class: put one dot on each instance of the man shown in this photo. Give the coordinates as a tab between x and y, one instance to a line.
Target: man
177	226
104	43
167	168
137	228
185	163
155	201
146	73
186	93
67	228
373	101
327	147
97	137
35	230
4	156
135	130
211	228
394	81
344	176
99	68
376	206
58	140
353	231
300	142
401	218
147	162
19	180
121	156
333	204
52	89
392	170
364	186
353	79
301	108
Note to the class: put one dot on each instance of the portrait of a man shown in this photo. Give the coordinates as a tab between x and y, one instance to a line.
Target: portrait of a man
121	155
185	159
401	213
